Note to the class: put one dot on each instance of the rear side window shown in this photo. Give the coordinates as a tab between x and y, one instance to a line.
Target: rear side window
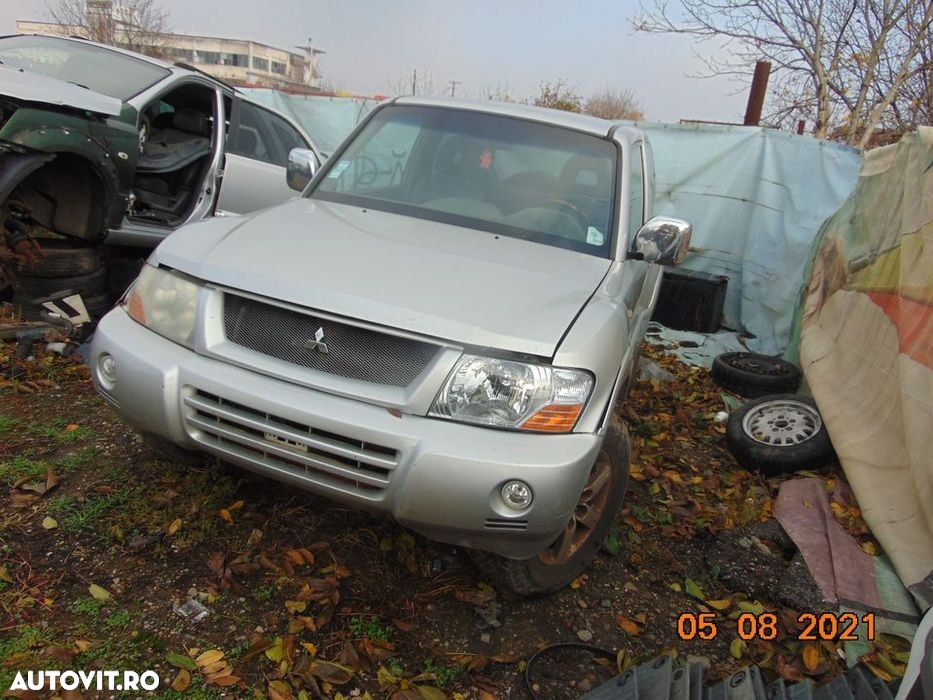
264	136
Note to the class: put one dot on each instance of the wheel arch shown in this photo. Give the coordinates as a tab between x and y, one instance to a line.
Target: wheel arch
65	192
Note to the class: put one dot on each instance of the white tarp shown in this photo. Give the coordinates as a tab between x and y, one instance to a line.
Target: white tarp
756	198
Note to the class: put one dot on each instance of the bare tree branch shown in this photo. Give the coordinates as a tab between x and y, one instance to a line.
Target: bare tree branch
847	66
138	25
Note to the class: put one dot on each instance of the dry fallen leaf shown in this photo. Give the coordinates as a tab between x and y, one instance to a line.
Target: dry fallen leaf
99	593
811	657
49	523
182	681
628	625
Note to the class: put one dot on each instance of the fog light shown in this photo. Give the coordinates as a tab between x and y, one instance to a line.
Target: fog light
517	495
107	368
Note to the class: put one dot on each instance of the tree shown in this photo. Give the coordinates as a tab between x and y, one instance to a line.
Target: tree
614	104
500	93
132	24
842	64
558	95
417	83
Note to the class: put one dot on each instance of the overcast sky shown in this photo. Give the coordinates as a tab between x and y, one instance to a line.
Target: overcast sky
510	44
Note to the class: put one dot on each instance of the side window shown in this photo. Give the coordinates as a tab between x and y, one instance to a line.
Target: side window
252	138
383	160
636	192
286	135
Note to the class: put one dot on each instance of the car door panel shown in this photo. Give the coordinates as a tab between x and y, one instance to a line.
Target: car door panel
257	150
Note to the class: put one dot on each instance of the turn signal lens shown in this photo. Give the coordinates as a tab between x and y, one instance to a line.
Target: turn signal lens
559	418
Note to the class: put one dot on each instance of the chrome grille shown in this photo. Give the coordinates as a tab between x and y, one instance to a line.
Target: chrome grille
276	444
352	352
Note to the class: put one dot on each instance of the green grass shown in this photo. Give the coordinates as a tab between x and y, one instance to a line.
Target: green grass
118	620
7	423
265	593
22	468
395	667
28	639
78	515
89	607
57	429
370	627
444	674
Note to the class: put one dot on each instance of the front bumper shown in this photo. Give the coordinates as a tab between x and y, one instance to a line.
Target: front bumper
441	479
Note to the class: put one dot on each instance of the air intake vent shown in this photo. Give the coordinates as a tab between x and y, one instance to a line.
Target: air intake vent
506	524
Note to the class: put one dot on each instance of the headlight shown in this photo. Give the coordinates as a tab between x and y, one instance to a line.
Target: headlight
508	394
165	302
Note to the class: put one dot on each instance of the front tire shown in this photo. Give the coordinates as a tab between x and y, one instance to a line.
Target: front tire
576	546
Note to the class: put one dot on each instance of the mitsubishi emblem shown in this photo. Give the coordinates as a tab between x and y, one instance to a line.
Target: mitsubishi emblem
317	343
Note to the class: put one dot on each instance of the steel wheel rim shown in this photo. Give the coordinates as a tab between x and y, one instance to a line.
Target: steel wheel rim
586	514
782	423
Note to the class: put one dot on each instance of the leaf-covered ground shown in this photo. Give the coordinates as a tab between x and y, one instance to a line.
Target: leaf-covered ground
230	584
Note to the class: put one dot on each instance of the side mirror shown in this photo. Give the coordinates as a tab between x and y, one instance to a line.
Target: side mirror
302	164
663	240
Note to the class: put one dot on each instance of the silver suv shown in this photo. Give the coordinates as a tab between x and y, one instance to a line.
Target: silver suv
438	328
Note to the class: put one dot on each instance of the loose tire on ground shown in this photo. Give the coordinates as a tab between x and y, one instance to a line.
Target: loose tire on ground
91	284
96	307
752	375
779	433
64	259
561	563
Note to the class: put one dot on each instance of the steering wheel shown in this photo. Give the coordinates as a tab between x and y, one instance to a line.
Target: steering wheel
565	206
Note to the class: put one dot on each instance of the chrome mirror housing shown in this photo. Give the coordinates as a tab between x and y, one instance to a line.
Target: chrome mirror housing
663	240
302	164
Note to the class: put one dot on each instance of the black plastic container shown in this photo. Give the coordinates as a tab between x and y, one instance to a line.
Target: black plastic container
690	300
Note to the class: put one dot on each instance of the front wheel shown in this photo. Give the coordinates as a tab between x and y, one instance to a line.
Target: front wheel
588	526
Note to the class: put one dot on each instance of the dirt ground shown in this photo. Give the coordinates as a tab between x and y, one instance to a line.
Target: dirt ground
104	547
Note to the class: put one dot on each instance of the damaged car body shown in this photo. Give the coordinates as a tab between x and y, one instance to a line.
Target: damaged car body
439	329
104	152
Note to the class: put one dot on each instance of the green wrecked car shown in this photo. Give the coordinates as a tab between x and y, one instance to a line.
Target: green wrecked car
104	152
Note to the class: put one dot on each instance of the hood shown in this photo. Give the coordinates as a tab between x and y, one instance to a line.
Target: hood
452	283
35	87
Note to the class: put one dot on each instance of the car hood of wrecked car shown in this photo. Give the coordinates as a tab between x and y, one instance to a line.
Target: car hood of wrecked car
28	86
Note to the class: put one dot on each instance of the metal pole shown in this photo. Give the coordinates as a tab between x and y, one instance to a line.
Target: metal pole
756	96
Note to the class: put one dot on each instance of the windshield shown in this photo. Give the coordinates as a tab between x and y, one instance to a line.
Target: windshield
499	174
107	72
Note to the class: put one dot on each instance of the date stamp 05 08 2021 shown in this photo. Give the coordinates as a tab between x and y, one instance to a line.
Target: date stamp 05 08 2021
828	626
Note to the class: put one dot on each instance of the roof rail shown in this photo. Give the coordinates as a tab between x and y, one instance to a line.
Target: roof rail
188	66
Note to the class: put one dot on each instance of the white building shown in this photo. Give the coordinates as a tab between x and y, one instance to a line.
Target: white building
236	61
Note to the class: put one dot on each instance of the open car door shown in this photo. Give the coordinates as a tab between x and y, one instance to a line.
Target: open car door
258	144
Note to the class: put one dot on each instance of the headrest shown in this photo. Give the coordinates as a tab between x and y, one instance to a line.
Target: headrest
191	122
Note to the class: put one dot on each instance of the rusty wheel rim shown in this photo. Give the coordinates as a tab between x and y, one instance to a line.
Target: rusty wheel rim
586	515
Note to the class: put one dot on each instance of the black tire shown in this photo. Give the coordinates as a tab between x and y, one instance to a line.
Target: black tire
64	259
778	434
752	375
92	284
96	307
538	576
